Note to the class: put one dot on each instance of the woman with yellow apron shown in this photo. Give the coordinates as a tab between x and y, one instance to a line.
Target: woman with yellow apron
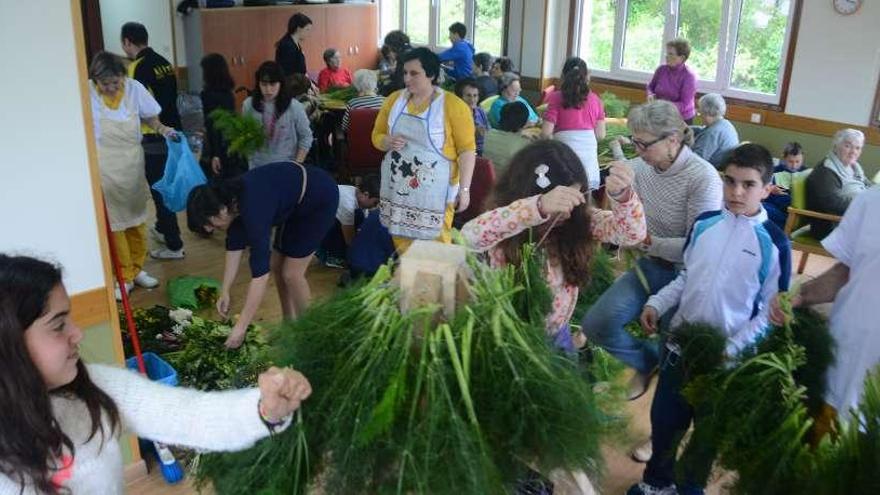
429	138
119	106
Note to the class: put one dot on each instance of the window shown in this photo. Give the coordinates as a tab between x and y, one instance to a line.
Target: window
427	21
735	44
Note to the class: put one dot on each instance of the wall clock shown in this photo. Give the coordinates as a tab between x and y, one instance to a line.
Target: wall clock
846	7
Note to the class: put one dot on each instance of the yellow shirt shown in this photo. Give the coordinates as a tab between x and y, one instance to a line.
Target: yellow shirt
458	121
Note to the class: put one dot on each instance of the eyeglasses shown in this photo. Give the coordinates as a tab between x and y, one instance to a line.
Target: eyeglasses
643	145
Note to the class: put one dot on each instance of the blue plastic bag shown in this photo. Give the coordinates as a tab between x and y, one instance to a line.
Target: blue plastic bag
182	174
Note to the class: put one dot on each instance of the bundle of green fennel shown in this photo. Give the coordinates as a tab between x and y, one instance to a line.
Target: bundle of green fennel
412	403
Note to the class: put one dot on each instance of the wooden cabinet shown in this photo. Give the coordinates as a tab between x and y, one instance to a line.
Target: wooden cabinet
246	36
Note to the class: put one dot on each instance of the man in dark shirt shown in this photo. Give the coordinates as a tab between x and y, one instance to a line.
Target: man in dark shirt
158	76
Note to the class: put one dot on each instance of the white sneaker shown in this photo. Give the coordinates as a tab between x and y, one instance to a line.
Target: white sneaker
156	235
163	253
642	452
145	280
128	287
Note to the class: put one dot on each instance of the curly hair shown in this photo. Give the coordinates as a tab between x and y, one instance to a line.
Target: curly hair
569	243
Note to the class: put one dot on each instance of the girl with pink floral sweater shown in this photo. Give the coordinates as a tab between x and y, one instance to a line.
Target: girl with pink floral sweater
541	190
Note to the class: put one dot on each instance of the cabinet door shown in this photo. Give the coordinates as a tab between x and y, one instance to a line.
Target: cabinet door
238	35
353	30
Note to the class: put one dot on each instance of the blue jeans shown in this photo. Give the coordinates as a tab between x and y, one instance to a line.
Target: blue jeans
622	303
671	416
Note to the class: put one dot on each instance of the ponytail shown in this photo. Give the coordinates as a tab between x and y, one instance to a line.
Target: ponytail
575	87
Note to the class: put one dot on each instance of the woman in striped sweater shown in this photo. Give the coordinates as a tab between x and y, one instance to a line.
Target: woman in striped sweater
675	186
365	83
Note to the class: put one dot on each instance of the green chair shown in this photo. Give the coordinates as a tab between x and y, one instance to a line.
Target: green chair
797	227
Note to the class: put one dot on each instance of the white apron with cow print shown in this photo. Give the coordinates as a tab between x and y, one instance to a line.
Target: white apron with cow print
415	185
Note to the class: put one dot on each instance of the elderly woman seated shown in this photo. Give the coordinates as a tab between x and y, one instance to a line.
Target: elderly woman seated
509	89
365	82
836	181
718	136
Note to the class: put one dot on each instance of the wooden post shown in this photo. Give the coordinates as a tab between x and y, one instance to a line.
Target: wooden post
433	273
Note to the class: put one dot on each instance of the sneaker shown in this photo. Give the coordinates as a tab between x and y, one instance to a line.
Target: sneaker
639	384
145	280
645	489
642	452
128	287
156	235
334	262
163	253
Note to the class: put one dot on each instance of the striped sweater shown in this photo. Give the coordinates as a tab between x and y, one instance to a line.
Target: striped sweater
367	101
674	198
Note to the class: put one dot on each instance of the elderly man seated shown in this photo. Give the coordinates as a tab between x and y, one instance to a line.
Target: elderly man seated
719	136
837	180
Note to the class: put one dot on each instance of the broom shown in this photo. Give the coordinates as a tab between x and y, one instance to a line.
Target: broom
171	470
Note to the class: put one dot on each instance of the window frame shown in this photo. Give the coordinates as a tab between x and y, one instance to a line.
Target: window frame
437	35
731	9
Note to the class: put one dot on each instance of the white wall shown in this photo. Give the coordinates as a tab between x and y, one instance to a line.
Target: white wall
154	14
556	37
46	205
514	32
533	12
836	63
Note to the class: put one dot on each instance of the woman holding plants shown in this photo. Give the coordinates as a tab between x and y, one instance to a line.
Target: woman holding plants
298	201
430	143
285	124
62	418
540	198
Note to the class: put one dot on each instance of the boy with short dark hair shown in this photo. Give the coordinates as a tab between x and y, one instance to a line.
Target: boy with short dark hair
735	262
352	200
461	54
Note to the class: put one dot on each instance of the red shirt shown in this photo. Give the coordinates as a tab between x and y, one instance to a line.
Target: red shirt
333	78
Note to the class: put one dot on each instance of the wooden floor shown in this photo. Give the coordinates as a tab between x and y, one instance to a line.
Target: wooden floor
206	256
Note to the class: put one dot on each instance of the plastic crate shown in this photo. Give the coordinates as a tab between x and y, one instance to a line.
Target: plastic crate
158	369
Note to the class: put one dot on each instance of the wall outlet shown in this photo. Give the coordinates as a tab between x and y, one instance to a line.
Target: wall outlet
755	118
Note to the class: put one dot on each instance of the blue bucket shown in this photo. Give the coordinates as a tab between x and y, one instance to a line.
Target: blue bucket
158	369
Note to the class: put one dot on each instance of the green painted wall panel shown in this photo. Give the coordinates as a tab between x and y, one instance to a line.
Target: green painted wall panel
815	147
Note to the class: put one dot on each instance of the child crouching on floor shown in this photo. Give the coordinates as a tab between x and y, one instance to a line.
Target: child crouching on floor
735	261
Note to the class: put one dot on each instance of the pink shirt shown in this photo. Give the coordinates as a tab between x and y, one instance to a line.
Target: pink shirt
574	119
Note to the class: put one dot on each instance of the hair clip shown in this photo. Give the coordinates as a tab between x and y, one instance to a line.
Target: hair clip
541	171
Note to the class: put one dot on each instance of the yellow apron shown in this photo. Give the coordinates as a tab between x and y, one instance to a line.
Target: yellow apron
121	161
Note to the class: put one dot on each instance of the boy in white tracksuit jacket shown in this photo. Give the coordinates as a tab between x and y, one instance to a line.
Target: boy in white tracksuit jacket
735	261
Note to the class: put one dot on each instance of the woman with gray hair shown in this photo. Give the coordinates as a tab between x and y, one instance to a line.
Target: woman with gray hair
676	186
718	136
119	106
365	82
837	180
508	92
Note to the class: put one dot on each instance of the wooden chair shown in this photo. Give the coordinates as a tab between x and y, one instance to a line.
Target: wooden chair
797	226
361	157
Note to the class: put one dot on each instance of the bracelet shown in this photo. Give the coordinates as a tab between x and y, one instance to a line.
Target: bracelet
540	209
618	195
271	424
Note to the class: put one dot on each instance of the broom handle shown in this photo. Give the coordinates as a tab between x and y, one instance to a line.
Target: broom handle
126	304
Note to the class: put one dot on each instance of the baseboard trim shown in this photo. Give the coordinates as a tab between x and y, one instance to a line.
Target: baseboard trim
135	471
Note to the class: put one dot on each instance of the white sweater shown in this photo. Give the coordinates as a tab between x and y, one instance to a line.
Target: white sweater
215	421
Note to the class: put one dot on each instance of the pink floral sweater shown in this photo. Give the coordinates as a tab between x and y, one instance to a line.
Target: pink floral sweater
624	225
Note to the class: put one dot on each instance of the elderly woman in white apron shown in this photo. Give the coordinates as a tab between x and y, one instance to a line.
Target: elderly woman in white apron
576	117
430	141
119	106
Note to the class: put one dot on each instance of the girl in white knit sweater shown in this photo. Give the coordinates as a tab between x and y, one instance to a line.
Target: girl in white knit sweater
61	419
